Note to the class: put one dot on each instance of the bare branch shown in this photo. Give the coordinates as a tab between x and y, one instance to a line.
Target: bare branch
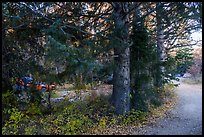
36	12
182	45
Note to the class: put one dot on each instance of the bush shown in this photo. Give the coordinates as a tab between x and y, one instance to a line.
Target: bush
69	118
31	130
103	122
168	90
13	125
9	100
132	117
34	109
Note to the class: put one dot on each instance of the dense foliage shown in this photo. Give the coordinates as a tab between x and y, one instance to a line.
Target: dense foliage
84	43
69	118
143	52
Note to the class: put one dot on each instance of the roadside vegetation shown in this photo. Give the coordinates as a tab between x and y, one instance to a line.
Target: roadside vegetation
80	117
73	68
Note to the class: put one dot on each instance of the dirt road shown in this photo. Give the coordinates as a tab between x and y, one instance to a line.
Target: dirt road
184	119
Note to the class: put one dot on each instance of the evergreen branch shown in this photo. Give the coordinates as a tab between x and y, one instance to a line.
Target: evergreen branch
14	27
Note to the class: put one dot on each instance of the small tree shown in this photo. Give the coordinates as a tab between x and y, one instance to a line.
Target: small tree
184	59
178	64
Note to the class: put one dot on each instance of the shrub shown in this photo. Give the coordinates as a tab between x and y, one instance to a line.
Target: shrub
132	117
70	118
14	123
168	90
8	102
103	122
34	108
9	99
31	130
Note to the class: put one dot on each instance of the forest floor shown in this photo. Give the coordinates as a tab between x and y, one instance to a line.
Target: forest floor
72	95
182	115
184	119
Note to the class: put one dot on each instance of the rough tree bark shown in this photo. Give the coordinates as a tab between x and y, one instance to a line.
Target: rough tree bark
121	77
160	45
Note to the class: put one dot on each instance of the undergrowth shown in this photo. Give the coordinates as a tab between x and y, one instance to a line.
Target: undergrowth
69	118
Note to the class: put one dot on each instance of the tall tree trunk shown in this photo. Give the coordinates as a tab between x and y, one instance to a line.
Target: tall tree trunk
121	83
160	45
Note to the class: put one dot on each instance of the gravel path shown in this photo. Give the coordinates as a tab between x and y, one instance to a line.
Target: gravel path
184	119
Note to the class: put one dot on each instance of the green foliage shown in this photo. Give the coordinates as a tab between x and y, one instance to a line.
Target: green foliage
77	61
8	99
103	122
78	84
31	130
54	94
77	124
145	99
170	68
24	51
101	106
12	126
34	109
169	88
132	117
21	50
143	64
178	64
184	59
69	118
71	121
34	95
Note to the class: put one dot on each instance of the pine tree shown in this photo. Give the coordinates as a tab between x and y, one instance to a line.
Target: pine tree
121	76
142	63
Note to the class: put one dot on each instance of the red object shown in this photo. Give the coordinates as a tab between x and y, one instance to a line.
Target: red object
21	82
50	87
38	87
